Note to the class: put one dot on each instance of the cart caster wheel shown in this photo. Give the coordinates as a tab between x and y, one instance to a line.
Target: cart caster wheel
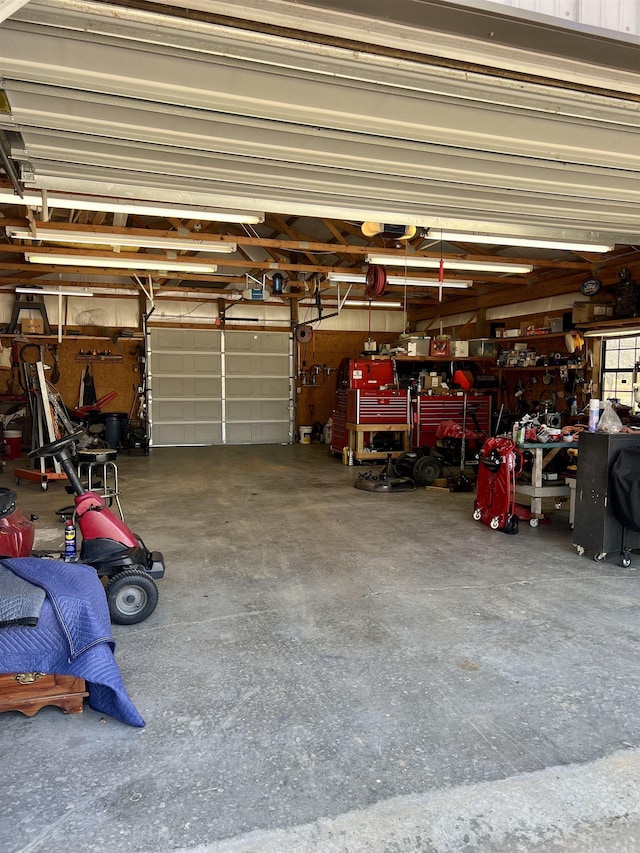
511	527
580	550
533	522
18	481
494	524
599	557
44	486
625	562
477	514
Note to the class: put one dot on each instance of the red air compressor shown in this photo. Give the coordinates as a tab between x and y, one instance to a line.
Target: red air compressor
500	462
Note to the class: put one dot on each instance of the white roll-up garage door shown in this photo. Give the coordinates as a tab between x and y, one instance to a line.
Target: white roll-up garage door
218	387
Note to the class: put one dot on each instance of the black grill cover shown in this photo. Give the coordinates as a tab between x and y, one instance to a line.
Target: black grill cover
625	488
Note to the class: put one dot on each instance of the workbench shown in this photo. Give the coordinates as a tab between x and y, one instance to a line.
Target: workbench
356	438
543	453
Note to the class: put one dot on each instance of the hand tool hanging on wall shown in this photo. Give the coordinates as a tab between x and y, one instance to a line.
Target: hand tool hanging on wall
88	396
55	372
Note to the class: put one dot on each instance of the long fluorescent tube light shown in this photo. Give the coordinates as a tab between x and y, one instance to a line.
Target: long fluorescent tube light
127	262
434	264
427	282
611	333
104	239
142	208
372	303
41	291
531	242
352	278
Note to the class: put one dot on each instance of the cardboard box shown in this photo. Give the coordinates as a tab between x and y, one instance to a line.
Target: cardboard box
429	382
459	349
34	326
587	312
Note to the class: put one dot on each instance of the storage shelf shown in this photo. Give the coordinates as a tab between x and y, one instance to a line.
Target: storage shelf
545	337
547	367
443	358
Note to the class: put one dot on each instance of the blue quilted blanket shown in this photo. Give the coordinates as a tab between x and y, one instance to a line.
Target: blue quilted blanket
72	637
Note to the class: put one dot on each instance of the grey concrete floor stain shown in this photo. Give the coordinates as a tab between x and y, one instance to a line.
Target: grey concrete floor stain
331	670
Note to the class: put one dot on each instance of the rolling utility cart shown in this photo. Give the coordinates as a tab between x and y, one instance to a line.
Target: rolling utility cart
596	527
542	453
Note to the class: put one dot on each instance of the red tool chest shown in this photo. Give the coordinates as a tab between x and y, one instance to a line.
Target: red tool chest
430	410
376	407
362	373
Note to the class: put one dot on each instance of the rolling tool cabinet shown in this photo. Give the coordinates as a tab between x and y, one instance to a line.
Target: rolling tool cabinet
595	526
429	411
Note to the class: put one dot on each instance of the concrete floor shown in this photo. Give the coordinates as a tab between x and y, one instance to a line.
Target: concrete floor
331	670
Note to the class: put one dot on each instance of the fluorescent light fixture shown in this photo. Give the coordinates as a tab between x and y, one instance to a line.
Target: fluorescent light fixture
352	278
126	262
530	242
41	291
347	277
142	208
104	239
427	282
434	264
373	304
611	333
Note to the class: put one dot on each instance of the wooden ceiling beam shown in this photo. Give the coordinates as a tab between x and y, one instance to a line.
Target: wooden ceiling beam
294	244
499	296
293	235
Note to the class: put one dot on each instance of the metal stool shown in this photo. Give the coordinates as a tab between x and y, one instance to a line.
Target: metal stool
100	463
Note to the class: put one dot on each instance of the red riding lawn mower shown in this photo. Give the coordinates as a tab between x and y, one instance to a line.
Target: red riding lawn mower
121	559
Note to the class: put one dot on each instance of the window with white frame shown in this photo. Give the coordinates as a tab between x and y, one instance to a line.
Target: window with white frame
619	369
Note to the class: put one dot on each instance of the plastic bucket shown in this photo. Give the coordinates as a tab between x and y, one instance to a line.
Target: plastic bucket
13	443
305	434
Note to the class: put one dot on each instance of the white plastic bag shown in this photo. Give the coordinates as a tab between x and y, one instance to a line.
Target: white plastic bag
609	420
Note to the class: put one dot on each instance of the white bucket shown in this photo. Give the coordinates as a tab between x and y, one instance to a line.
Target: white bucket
305	434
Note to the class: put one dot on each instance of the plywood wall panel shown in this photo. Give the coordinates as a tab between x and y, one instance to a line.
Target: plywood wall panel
122	376
316	402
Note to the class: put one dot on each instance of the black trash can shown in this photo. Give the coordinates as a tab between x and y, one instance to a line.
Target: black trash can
114	424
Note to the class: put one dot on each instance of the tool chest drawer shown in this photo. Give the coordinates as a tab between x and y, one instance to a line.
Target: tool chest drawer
370	407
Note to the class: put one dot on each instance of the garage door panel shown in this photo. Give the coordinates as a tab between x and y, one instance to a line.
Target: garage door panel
256	386
252	433
258	410
187	410
185	363
257	365
176	387
194	340
181	434
249	342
